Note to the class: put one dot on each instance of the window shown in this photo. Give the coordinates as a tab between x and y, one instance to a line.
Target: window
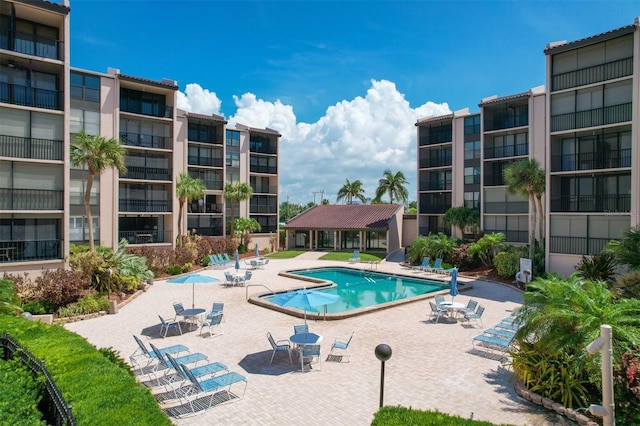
472	125
233	159
89	121
472	150
233	138
85	87
201	133
471	175
472	200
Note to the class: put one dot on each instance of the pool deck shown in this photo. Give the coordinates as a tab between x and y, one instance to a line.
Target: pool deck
433	366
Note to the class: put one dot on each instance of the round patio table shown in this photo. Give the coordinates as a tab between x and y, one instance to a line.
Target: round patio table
302	339
191	316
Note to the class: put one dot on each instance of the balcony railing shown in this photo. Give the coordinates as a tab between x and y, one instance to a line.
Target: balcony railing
594	74
591	161
211	231
439	185
146	141
437	161
425	230
31	199
263	169
32	44
511	236
434	208
263	209
147	173
205	161
24	251
620	203
591	118
263	149
41	149
212	140
145	236
264	189
213	184
577	245
146	108
18	94
206	208
507	151
143	206
265	229
512	207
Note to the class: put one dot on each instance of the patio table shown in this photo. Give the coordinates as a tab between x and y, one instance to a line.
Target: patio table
191	316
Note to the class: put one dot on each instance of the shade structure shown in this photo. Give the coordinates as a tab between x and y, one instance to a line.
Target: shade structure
193	279
256	251
304	299
237	260
453	284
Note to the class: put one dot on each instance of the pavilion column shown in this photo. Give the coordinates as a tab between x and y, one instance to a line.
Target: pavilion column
361	242
310	239
316	238
335	240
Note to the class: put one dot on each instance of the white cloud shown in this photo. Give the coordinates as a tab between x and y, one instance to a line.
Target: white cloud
355	139
198	100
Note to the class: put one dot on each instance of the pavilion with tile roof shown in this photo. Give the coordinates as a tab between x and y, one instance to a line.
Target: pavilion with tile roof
346	227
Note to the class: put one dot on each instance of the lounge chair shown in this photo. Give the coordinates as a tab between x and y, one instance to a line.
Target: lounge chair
423	265
343	345
475	316
500	332
204	370
169	373
214	261
492	342
307	354
435	268
437	312
167	324
213	321
279	346
226	258
209	387
356	257
144	353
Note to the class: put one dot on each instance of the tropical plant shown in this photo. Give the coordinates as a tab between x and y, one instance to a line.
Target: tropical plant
488	246
351	190
434	245
187	188
236	192
627	285
244	227
507	261
394	186
417	250
9	300
461	217
97	154
599	267
526	178
627	249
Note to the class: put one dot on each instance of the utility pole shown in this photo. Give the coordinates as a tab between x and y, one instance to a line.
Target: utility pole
286	216
314	195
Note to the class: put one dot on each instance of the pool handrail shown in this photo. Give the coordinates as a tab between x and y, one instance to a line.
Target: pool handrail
246	292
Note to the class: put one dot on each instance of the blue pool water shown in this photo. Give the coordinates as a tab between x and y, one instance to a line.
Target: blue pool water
361	289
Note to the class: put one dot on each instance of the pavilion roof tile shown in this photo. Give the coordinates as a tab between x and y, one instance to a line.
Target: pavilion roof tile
346	216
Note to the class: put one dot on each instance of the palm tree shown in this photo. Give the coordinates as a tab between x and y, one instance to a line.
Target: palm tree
97	154
393	185
187	188
461	217
351	190
236	192
525	177
627	250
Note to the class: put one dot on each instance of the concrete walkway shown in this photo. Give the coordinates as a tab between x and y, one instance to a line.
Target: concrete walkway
433	366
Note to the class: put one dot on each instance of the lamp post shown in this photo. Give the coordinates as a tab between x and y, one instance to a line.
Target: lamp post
383	353
603	345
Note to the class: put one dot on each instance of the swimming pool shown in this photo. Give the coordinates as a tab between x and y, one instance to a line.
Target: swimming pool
358	291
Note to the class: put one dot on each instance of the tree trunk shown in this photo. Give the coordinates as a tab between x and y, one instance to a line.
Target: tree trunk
232	212
532	226
541	219
87	210
180	209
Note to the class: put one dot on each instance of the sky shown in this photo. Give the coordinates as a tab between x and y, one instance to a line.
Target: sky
344	82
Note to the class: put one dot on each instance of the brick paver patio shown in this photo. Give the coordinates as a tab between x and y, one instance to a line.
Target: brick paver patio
433	366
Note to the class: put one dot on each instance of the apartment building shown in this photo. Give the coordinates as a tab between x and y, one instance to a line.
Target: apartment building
583	130
44	103
593	140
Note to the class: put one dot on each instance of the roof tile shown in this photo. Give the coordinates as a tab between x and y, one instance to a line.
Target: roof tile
348	216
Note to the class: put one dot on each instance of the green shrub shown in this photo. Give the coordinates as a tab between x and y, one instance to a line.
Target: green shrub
37	308
488	246
86	305
100	392
21	393
462	259
187	267
114	356
599	267
507	262
9	300
401	416
174	270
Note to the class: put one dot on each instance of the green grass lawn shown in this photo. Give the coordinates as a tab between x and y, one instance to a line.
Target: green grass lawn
286	254
345	256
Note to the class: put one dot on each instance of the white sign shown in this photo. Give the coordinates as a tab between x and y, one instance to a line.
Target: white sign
526	265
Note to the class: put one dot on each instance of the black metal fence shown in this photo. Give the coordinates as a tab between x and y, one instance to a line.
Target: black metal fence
53	406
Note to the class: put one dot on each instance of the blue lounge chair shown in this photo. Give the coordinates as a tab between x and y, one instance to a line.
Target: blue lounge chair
435	268
168	375
226	258
208	387
180	376
492	342
424	264
143	353
214	262
356	257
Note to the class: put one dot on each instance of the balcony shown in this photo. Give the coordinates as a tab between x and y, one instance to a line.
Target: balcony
32	44
591	118
143	206
439	185
506	151
511	236
18	94
431	208
145	236
210	231
262	148
206	208
34	148
263	169
205	161
426	230
25	251
31	199
613	159
265	229
437	161
577	245
146	108
620	203
594	74
512	207
253	209
146	141
264	189
147	173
